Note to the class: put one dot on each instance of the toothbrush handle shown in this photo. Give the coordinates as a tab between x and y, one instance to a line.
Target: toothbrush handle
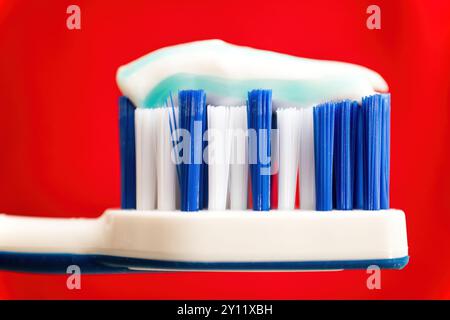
50	235
50	245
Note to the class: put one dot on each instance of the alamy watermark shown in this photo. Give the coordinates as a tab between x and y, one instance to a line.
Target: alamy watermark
374	280
244	146
373	21
73	281
73	20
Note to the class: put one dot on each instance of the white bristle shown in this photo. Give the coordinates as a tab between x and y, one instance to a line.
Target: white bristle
238	159
288	121
145	134
219	148
307	169
167	184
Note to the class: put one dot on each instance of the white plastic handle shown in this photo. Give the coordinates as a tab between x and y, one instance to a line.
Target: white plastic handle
209	236
50	235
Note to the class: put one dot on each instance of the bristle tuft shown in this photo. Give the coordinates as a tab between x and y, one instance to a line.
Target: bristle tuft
259	114
307	177
323	153
288	124
192	119
376	117
344	154
127	153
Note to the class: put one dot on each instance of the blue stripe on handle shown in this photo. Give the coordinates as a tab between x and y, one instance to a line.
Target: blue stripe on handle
127	153
57	263
324	117
259	115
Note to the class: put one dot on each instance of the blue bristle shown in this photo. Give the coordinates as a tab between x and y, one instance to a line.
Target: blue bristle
273	181
358	195
324	117
344	153
355	108
127	153
372	113
385	149
259	115
192	109
204	167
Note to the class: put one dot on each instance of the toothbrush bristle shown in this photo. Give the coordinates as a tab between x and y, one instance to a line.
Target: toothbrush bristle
259	113
307	181
146	134
219	149
275	159
204	186
288	121
239	159
324	117
360	160
227	158
127	153
192	119
156	185
385	149
372	115
331	156
376	117
344	154
173	116
167	185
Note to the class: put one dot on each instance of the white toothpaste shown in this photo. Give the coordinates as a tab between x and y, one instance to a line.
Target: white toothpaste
227	72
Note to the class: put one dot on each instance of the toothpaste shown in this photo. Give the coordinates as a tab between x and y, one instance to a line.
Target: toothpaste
227	72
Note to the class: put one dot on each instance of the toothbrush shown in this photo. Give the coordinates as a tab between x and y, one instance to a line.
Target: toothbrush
194	215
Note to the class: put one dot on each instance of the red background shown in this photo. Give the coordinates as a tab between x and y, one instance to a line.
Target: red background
59	135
